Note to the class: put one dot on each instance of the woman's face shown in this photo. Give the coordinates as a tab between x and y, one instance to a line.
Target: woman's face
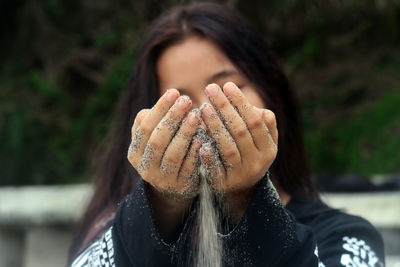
191	65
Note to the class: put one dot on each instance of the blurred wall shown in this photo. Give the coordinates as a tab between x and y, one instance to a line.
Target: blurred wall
36	222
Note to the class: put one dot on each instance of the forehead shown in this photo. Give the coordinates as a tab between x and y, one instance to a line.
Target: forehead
192	60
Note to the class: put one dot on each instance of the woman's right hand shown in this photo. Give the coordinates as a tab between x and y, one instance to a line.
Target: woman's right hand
165	153
162	150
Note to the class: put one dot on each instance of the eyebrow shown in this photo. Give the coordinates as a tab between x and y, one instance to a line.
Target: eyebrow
222	74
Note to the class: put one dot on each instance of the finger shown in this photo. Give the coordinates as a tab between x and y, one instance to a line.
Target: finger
249	114
270	121
225	143
231	119
174	154
214	170
188	175
139	118
136	136
150	121
163	134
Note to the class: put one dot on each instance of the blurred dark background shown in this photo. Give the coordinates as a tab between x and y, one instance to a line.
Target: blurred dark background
65	63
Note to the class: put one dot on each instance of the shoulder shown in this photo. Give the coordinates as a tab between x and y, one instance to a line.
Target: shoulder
340	237
322	218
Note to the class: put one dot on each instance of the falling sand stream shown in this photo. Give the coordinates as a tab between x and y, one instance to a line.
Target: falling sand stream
209	251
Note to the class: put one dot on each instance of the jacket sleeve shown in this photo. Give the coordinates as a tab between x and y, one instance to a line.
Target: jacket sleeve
350	241
136	239
133	239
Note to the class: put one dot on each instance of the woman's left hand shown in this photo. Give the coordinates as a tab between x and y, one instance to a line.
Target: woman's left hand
246	138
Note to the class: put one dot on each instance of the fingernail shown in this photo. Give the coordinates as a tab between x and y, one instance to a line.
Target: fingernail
172	94
207	110
212	89
193	119
183	102
230	88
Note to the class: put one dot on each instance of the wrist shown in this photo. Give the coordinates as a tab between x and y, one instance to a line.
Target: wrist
169	214
235	203
167	203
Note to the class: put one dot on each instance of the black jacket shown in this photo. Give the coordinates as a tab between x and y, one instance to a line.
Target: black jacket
304	233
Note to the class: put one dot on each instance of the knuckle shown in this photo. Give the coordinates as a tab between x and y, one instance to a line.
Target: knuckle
139	118
146	129
269	116
171	159
153	144
230	155
141	114
241	132
222	104
255	124
132	159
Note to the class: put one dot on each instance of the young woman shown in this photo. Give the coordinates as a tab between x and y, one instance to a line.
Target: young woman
143	208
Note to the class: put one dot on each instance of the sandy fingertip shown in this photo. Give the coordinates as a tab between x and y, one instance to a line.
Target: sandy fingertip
172	95
212	89
230	88
207	110
192	119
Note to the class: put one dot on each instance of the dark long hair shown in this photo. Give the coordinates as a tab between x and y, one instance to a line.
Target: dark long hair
247	50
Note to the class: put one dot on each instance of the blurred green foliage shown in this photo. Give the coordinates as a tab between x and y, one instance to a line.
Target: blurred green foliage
366	143
42	136
65	64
